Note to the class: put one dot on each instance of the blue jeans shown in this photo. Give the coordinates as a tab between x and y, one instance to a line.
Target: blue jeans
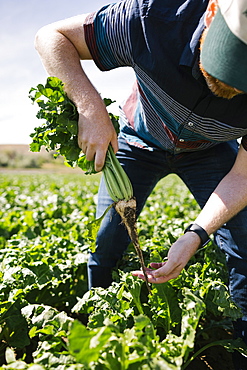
201	171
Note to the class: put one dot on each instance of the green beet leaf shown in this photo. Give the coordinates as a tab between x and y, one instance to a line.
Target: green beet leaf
86	345
93	228
14	327
60	129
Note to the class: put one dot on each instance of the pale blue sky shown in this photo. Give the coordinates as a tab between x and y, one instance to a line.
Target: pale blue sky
20	66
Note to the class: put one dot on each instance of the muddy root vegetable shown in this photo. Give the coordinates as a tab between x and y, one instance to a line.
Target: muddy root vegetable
127	212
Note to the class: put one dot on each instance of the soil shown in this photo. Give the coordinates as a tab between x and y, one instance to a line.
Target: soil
215	358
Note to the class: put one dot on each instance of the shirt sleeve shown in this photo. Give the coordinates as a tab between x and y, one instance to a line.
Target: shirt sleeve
107	34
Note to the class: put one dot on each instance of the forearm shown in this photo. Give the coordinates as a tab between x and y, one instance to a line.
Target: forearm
229	198
61	58
61	47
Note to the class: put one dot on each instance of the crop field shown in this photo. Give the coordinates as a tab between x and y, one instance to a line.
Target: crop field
49	319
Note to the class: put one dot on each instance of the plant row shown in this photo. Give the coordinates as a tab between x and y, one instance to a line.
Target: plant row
49	319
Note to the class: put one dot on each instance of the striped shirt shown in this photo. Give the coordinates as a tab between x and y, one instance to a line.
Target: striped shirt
171	106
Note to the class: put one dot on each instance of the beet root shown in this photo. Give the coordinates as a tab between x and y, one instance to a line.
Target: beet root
127	212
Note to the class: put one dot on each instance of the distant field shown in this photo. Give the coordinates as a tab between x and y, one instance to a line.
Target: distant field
17	157
21	149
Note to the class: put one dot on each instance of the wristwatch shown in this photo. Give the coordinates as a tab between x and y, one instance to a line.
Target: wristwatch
203	235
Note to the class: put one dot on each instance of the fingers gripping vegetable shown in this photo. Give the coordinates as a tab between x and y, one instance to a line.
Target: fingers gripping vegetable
59	132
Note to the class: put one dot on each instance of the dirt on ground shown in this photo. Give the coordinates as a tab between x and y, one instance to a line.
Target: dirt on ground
215	358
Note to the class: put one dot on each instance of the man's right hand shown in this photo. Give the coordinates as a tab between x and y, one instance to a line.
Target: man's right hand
95	133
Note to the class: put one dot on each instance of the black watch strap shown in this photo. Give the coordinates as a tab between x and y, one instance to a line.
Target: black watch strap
203	235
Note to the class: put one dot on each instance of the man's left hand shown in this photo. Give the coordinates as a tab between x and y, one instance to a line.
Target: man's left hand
178	256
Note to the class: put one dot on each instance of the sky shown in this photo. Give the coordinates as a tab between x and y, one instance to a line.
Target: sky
21	68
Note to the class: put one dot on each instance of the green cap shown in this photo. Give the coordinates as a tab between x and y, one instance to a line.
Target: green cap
224	51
